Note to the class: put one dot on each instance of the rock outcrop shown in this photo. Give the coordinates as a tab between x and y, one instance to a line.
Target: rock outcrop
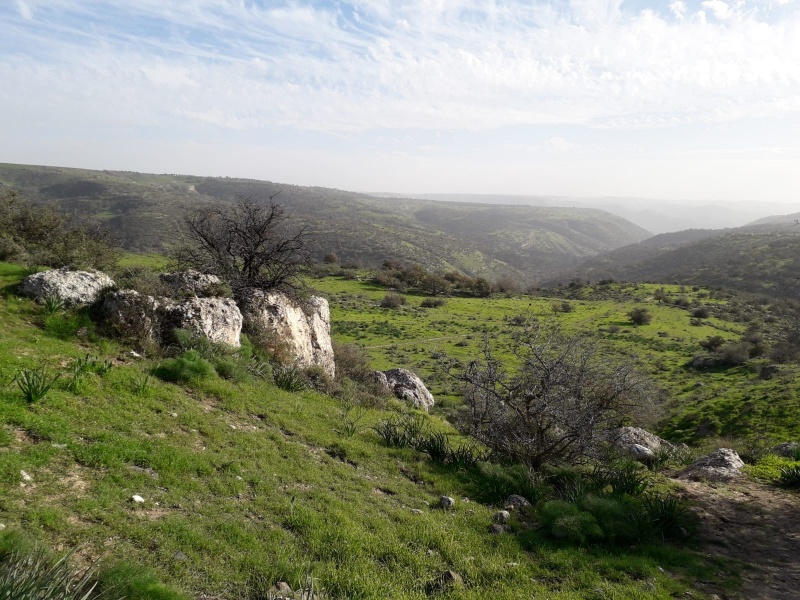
303	331
190	282
787	449
136	315
407	386
721	465
638	443
74	288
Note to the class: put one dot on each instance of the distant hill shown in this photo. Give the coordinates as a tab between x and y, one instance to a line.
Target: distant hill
525	242
761	259
657	216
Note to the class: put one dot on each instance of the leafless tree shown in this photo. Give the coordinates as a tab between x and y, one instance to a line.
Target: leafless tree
248	245
551	401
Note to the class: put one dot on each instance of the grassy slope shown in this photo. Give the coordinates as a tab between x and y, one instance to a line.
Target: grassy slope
728	402
524	242
248	481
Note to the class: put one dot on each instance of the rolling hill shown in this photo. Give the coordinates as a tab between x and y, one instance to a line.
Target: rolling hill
759	259
525	242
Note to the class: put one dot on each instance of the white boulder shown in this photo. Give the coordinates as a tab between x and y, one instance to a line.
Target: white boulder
721	465
304	331
407	386
189	283
74	288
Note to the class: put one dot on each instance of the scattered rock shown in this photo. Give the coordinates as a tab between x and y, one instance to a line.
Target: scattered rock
304	331
180	556
721	465
446	502
501	516
190	283
515	502
786	449
416	511
25	477
137	499
2	526
74	288
641	453
450	579
145	471
173	415
497	528
407	386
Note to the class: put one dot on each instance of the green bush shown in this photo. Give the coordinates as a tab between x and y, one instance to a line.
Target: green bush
566	521
496	482
790	477
392	300
183	369
669	517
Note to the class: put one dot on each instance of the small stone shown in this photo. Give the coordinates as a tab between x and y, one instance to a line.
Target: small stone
515	501
497	528
239	478
431	552
232	426
512	564
180	556
2	526
446	502
25	476
450	579
416	511
137	499
501	516
173	415
59	446
134	354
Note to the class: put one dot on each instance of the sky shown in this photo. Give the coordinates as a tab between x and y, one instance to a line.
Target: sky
673	99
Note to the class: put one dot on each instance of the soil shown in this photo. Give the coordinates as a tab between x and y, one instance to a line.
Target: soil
756	524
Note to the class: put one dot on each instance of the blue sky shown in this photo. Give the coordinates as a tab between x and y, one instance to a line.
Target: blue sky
678	99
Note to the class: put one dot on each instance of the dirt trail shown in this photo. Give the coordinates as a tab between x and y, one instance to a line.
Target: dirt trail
756	524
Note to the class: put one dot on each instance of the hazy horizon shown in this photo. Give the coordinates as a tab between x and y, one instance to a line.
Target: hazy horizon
683	101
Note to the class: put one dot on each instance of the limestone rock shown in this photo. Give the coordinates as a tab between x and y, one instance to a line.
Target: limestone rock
786	449
450	579
721	465
304	331
501	516
74	288
498	528
515	501
218	319
640	444
189	283
446	502
407	386
146	317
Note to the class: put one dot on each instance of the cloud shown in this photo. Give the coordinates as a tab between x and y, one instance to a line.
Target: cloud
560	144
24	10
371	65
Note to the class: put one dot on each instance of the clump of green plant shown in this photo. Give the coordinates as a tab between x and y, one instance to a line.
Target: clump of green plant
289	378
433	302
35	383
401	431
142	384
52	304
33	575
183	369
625	479
790	477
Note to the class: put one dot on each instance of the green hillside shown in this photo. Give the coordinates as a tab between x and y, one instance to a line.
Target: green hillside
762	259
526	243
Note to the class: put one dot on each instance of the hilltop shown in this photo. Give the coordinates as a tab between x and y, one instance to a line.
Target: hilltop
522	242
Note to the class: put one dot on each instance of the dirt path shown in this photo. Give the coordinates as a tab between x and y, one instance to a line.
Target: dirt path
756	524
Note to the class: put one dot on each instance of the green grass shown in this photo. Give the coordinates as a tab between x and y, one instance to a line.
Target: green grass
246	483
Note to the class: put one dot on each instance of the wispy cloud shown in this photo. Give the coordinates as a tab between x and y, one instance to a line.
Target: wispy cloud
374	64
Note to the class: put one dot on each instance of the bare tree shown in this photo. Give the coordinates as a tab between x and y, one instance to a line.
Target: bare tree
248	245
553	404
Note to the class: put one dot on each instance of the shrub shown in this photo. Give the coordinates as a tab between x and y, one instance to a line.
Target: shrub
183	369
701	312
668	516
625	479
432	302
495	482
735	353
33	574
640	316
436	445
392	300
553	404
